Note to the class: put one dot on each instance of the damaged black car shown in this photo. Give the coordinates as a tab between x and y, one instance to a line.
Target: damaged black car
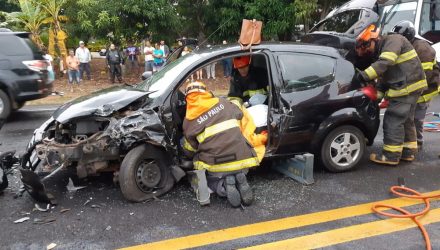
313	105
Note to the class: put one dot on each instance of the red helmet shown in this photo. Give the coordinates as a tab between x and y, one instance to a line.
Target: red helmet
241	61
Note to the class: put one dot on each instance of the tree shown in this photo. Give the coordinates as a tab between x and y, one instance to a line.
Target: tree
32	16
9	6
123	20
325	6
57	36
305	9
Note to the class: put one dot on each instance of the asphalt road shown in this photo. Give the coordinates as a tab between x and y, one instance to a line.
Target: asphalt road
107	221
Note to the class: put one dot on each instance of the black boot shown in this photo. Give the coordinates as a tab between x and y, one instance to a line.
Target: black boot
384	160
231	191
408	155
245	190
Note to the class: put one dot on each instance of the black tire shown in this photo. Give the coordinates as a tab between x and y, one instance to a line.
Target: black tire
347	155
144	174
5	105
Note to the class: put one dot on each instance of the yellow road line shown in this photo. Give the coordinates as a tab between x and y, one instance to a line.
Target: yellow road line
350	233
212	237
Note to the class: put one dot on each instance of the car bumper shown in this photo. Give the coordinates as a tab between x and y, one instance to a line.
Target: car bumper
31	89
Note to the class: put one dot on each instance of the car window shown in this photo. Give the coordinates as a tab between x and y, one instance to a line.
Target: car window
32	46
305	71
161	80
395	13
340	23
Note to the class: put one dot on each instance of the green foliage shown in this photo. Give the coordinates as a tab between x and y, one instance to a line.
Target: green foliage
123	20
32	17
9	6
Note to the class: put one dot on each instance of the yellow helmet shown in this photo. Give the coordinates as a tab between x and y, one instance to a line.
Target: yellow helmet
195	87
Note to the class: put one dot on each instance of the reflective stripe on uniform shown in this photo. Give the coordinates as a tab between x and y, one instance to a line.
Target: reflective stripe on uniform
428	65
391	56
393	148
235	99
217	128
371	73
411	145
229	166
427	97
188	146
251	93
406	56
408	89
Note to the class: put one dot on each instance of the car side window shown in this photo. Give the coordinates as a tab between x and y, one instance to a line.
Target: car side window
305	71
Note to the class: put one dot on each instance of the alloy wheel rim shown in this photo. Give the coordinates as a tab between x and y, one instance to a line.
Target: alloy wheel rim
345	149
2	106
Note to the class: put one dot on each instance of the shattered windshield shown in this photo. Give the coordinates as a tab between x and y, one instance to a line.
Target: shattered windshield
340	22
159	82
396	13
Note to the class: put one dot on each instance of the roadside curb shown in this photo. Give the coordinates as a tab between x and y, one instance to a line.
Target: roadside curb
33	108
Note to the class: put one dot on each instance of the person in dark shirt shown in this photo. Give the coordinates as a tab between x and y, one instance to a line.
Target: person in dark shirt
114	63
246	80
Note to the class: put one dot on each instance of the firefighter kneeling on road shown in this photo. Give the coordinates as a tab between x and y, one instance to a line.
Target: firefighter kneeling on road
219	138
427	56
401	79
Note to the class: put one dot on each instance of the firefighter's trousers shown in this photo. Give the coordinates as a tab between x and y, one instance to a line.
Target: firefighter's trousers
399	129
419	118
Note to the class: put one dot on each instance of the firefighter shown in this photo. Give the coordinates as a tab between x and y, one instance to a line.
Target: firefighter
246	81
400	79
427	56
214	140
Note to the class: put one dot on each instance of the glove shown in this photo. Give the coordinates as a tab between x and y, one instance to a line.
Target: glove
359	79
384	104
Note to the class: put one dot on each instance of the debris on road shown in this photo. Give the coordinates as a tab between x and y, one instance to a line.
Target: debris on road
71	188
37	207
51	246
64	210
44	221
21	220
87	202
108	228
131	213
95	206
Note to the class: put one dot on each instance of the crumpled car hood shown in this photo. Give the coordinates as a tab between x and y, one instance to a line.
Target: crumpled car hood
106	100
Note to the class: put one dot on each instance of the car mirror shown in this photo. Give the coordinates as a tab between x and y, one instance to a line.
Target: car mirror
146	75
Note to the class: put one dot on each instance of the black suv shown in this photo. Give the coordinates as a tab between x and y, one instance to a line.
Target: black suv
313	106
23	72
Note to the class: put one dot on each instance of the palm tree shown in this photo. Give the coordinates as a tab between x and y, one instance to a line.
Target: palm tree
32	16
57	36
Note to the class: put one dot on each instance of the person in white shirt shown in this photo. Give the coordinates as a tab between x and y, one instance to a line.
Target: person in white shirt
149	59
84	57
49	59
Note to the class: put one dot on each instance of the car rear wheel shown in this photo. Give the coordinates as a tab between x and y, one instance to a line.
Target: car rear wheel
5	105
144	174
342	149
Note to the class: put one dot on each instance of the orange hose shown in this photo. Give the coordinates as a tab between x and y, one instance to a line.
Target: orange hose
397	190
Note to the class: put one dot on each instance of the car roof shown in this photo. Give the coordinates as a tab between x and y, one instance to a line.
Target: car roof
15	33
271	46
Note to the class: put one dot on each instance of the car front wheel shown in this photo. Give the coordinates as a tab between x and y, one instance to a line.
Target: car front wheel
144	174
342	149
